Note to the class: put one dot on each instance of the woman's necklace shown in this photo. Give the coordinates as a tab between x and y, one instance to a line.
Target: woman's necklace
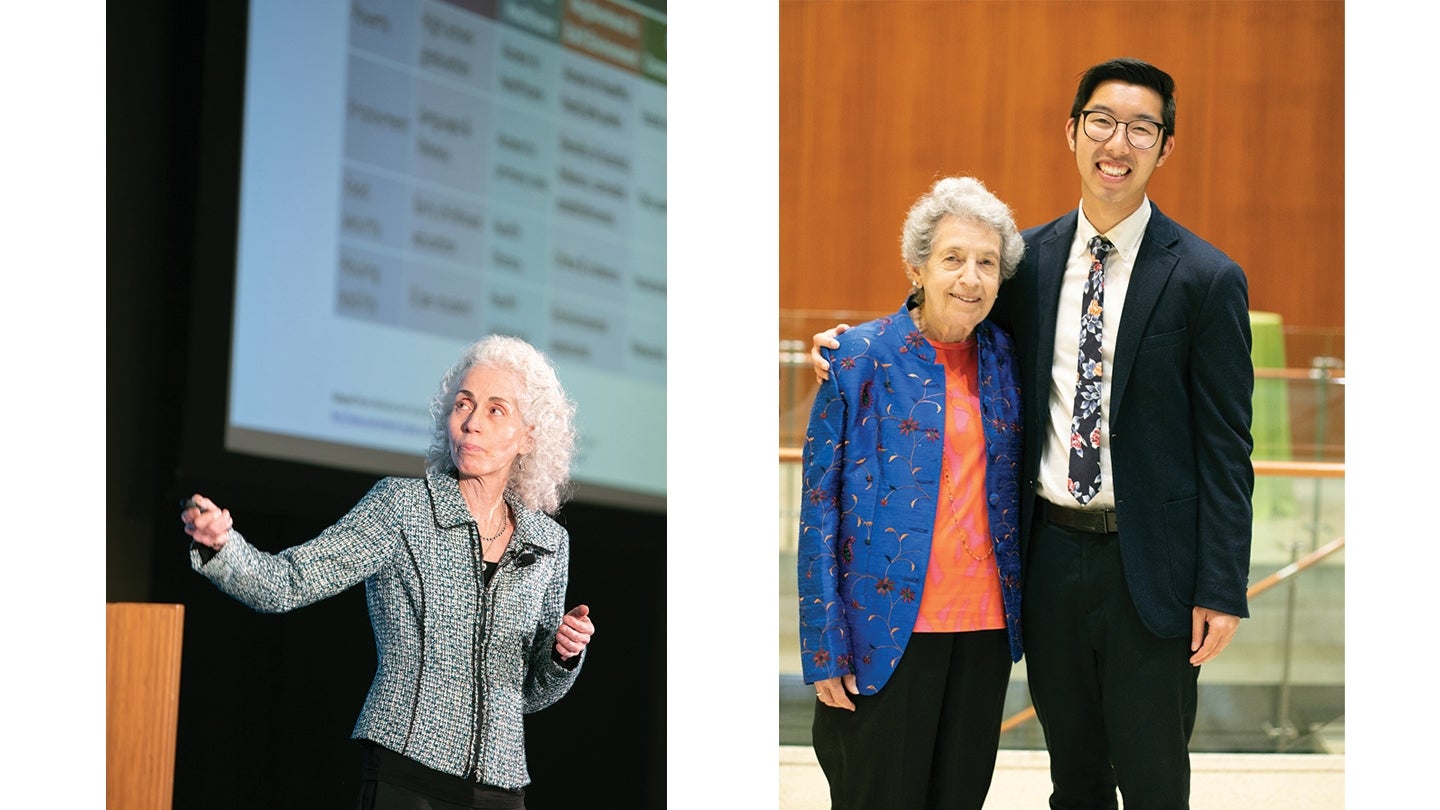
918	316
923	327
504	524
950	488
964	535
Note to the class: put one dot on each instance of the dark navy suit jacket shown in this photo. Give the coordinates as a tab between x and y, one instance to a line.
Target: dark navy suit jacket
1179	420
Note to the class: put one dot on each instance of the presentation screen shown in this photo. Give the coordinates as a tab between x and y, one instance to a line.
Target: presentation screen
417	174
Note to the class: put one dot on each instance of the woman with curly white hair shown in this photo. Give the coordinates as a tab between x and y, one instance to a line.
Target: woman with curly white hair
465	574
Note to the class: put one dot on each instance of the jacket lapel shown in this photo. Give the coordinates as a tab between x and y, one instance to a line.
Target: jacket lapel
1052	254
445	498
1148	277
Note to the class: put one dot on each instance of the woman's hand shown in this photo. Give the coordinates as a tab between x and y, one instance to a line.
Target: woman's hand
574	632
206	523
831	692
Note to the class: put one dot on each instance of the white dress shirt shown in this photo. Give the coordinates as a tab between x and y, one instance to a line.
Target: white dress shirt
1119	262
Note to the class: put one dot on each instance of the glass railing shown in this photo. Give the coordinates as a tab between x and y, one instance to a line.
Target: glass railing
1280	686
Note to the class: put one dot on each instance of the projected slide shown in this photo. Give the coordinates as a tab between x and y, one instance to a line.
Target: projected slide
417	174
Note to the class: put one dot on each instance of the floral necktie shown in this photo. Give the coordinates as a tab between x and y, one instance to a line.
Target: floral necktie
1085	425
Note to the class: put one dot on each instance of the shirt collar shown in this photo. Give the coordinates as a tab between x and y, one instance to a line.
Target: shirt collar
1125	236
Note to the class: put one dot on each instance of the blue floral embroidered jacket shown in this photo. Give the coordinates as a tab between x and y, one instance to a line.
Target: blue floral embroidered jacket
871	479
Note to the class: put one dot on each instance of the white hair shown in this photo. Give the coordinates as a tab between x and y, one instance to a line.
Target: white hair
966	198
540	478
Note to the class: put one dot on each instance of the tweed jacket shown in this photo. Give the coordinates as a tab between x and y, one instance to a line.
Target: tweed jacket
458	663
872	465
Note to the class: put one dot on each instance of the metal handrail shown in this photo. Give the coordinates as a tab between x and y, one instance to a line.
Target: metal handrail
1313	373
1289	469
1312	469
1028	713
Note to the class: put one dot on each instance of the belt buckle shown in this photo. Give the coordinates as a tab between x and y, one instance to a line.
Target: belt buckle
1101	521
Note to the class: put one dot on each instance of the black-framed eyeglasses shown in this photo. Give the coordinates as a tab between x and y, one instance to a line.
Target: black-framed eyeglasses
1100	126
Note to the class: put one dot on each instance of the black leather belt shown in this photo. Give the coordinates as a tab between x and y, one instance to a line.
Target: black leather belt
1095	521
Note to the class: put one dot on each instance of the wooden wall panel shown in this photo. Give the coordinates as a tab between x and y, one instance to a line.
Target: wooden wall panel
878	99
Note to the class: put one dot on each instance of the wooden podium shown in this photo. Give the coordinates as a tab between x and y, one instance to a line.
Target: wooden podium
142	703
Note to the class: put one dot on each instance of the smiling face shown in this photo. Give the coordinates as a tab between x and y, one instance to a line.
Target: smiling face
960	279
486	432
1114	174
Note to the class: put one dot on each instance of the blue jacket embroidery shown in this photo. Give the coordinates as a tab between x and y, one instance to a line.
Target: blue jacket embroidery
871	465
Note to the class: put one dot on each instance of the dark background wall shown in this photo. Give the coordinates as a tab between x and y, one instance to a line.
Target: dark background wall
267	702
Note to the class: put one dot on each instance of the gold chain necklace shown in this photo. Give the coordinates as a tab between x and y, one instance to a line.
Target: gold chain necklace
964	535
950	488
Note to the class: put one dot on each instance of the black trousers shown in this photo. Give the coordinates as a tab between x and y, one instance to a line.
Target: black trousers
928	738
389	781
1116	702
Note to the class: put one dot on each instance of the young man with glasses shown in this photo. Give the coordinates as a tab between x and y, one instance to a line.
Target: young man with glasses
1136	508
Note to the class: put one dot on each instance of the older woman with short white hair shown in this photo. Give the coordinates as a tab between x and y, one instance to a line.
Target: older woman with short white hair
465	575
909	546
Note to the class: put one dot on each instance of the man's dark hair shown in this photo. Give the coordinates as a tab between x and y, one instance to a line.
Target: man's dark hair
1130	71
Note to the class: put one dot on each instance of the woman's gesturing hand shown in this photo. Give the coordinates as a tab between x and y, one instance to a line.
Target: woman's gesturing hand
206	523
574	632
